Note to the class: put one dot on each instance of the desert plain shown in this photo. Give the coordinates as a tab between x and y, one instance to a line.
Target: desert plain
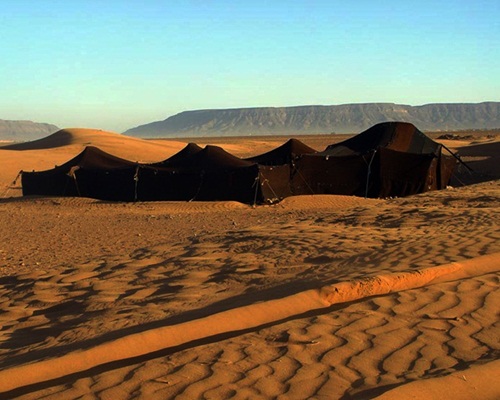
316	297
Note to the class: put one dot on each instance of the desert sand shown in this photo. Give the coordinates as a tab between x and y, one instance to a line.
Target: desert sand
316	297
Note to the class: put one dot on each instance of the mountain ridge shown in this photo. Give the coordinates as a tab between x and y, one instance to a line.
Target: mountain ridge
317	119
22	130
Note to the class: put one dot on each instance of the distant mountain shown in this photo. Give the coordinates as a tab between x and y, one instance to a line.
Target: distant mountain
19	131
346	118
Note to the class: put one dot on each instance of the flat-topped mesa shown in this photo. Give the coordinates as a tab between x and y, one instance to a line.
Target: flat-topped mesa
317	119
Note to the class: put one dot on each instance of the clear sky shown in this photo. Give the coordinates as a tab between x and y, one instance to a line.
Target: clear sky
116	64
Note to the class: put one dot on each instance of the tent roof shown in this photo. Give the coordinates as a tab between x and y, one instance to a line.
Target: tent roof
399	136
211	157
186	152
282	154
93	157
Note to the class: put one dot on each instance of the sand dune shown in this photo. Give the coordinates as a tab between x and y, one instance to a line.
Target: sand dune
329	297
93	137
64	137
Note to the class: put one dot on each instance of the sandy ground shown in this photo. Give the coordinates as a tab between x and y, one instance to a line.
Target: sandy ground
326	297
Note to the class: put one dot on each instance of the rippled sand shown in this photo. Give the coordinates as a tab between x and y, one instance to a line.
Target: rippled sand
316	297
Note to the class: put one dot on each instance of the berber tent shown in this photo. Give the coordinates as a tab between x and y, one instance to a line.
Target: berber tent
281	161
92	173
390	159
192	174
210	174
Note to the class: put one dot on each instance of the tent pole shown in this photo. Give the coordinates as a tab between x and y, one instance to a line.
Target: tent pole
17	177
256	183
72	174
202	175
13	183
304	179
136	181
369	173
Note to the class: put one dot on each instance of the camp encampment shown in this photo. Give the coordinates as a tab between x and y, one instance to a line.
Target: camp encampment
208	174
390	159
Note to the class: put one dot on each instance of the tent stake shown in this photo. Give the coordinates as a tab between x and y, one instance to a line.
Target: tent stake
136	181
256	184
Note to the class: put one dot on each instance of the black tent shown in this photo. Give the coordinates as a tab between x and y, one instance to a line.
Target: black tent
283	154
92	173
192	174
211	174
388	159
280	162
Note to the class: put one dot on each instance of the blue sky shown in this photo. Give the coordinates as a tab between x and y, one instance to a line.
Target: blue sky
116	64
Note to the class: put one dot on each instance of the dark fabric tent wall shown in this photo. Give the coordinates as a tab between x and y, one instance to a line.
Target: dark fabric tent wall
274	182
92	173
210	174
163	181
321	174
279	165
222	176
192	174
207	174
388	159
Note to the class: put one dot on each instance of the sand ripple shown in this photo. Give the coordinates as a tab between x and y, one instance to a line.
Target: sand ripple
115	271
272	311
